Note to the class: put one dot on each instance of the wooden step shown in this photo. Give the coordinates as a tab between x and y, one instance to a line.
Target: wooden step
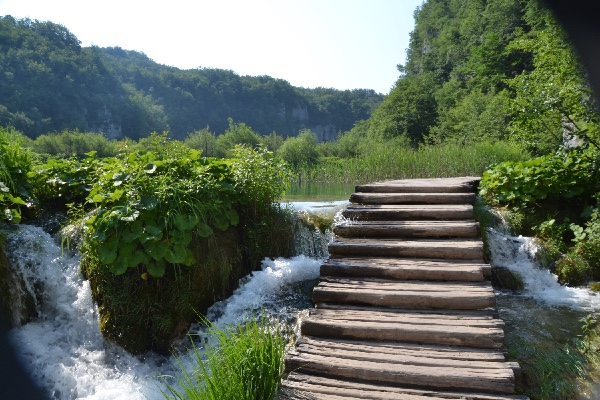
410	327
434	185
298	385
398	294
398	229
426	369
407	269
412	198
407	212
488	313
456	249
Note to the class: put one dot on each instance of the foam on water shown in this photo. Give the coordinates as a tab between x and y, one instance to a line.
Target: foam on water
518	254
64	350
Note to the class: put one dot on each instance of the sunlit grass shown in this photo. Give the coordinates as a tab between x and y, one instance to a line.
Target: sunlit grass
238	363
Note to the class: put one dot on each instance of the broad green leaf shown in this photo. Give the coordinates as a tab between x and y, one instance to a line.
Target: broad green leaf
156	269
132	232
98	198
234	217
107	250
185	222
176	254
204	230
17	200
116	195
148	202
157	250
150	168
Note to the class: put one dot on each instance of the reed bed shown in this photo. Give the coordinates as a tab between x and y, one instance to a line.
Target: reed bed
388	162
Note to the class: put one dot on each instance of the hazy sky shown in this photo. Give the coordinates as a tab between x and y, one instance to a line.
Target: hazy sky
344	44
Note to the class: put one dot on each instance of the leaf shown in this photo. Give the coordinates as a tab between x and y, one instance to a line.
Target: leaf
185	222
156	250
204	230
107	250
150	168
98	198
131	217
132	232
156	269
4	188
148	203
234	217
116	195
220	221
152	233
176	255
17	200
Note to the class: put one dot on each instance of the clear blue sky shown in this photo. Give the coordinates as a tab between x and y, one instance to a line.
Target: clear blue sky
344	44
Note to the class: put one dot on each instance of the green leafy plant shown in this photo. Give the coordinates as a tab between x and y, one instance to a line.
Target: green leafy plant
15	162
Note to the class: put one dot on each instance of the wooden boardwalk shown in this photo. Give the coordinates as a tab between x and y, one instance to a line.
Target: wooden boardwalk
404	309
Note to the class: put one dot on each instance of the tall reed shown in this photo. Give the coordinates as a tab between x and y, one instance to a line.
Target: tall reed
398	162
244	362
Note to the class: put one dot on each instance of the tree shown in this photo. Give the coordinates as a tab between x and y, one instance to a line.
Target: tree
301	149
203	140
238	133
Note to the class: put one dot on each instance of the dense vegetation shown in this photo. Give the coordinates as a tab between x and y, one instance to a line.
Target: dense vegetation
50	83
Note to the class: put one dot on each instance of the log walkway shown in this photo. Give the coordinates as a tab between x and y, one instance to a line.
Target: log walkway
404	308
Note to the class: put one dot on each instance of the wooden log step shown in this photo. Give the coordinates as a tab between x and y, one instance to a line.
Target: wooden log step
400	229
412	198
455	249
387	212
455	375
312	344
410	327
435	185
398	294
297	385
407	269
483	314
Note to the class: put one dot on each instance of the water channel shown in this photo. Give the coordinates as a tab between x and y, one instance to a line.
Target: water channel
64	352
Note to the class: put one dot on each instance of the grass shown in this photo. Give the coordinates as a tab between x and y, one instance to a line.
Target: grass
397	162
239	363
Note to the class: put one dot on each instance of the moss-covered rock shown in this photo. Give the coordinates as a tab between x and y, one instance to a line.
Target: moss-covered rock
504	278
140	313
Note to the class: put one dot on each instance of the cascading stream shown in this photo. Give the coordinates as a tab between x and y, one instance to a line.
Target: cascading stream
62	346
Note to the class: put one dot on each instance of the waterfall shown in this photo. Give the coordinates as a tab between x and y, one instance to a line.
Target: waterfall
60	344
518	254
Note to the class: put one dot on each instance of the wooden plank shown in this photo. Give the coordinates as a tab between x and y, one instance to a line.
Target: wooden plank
459	332
405	349
399	212
400	294
498	380
415	317
455	249
406	269
397	229
434	185
412	198
324	386
486	314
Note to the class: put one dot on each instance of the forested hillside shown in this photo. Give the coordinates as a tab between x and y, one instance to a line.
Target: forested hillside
50	83
478	69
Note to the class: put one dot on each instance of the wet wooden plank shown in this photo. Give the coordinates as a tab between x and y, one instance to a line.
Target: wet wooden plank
433	185
412	198
309	343
401	294
401	212
498	380
486	314
324	386
427	329
455	249
411	229
406	269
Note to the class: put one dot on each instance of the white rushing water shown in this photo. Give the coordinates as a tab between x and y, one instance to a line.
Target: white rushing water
518	254
63	349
